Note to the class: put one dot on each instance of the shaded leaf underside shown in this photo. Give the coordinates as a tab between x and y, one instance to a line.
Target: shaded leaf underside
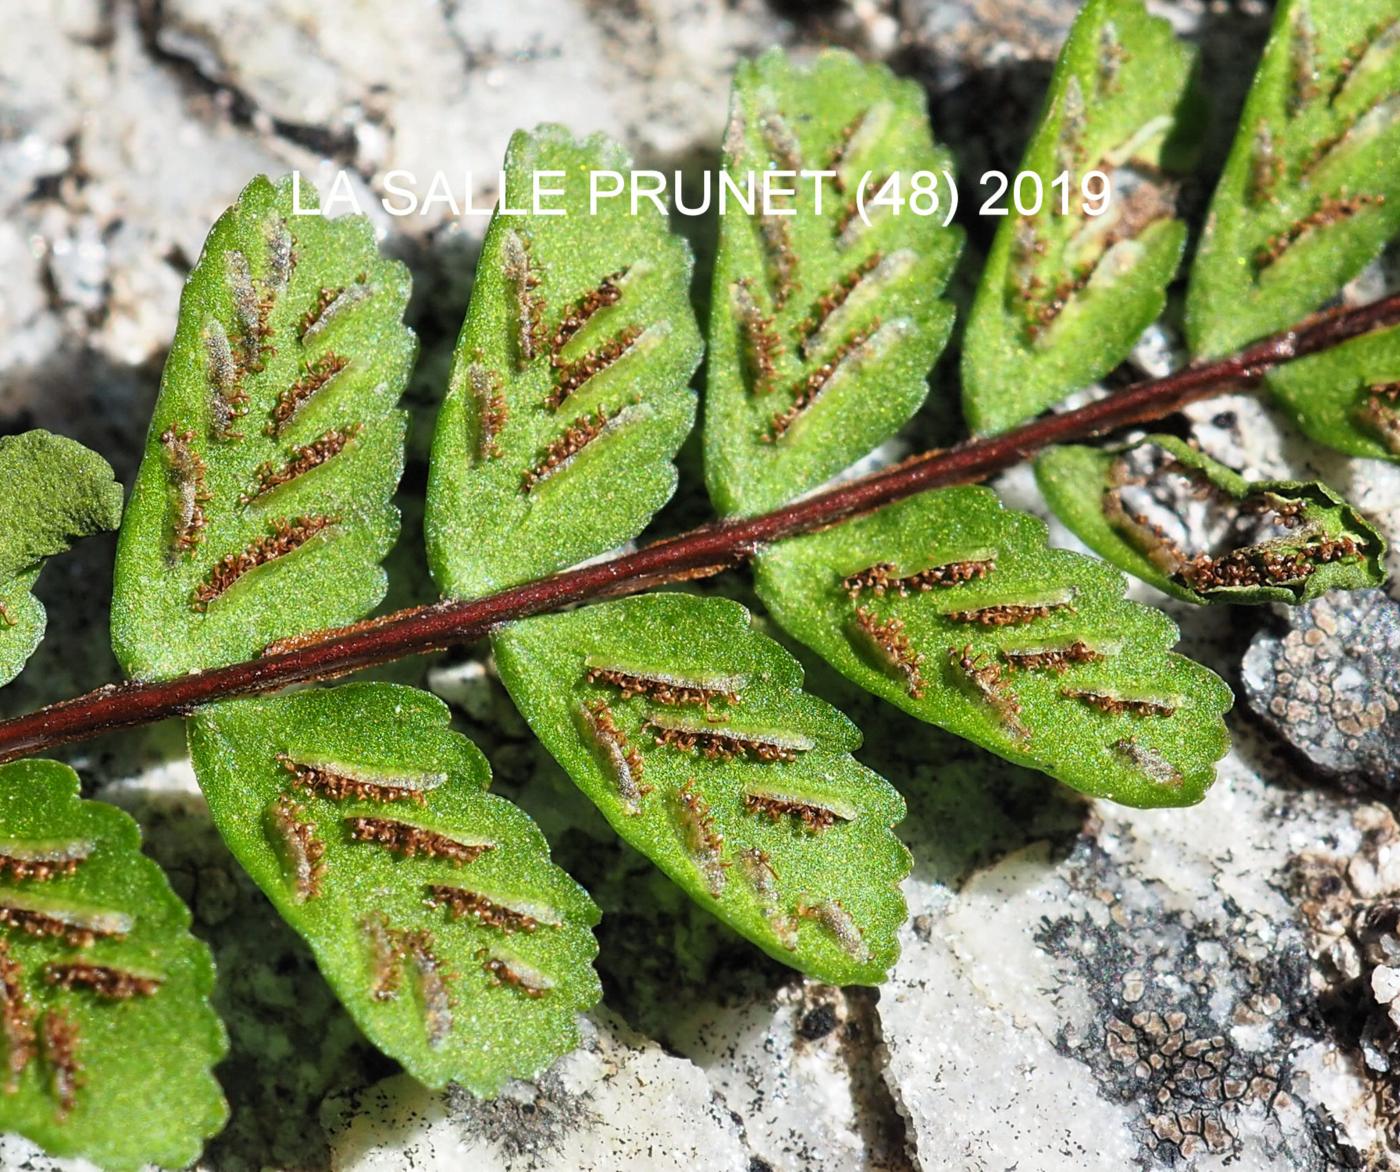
431	905
955	610
262	505
1065	294
55	491
1174	517
568	395
1311	190
822	328
108	1037
690	732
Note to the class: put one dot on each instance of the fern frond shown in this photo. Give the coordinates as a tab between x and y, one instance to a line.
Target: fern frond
431	906
1065	294
823	327
957	611
262	505
568	395
690	732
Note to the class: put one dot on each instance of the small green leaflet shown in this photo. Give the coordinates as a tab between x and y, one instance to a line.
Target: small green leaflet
1065	293
1349	397
56	491
569	390
957	611
690	732
823	328
430	905
1312	187
108	1037
262	506
1147	506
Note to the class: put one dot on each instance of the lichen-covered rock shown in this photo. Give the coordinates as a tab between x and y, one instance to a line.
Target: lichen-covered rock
1329	684
616	1102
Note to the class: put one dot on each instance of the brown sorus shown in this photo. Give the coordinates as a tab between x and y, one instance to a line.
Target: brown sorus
570	376
762	344
814	818
1052	658
888	639
286	537
461	903
187	472
583	431
805	393
315	375
1117	705
403	838
608	292
884	577
105	980
16	1019
61	1043
326	782
987	680
1006	614
301	461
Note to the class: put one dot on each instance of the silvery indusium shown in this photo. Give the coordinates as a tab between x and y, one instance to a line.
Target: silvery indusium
263	508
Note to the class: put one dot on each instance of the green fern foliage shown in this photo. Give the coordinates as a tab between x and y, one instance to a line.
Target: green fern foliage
824	322
262	505
956	611
55	491
569	380
1311	190
109	1039
691	733
430	904
1146	508
1070	285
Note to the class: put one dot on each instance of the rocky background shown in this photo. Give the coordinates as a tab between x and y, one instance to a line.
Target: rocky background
1082	986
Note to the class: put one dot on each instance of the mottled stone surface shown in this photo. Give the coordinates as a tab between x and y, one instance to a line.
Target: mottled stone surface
1082	987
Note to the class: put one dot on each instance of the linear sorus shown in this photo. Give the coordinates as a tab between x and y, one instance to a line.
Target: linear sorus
782	144
228	401
608	292
987	681
529	305
115	984
490	412
515	973
1149	761
829	302
1266	166
187	471
252	310
563	451
6	618
493	912
286	537
301	460
758	871
16	1019
386	955
1116	704
855	136
1378	413
664	687
47	917
570	376
410	841
291	402
619	757
849	224
815	814
1052	658
862	346
1266	565
1008	614
1332	210
763	346
838	921
42	859
61	1043
703	842
432	990
339	780
281	254
781	259
886	641
302	854
330	304
884	577
724	742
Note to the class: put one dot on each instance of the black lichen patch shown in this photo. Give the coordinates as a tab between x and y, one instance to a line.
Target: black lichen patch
1168	996
528	1122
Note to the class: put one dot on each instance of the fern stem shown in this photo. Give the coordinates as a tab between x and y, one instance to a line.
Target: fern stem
701	552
